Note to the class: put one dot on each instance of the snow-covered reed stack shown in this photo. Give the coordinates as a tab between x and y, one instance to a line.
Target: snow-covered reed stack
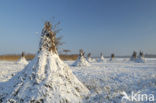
89	58
101	59
46	79
22	59
81	61
141	58
134	56
112	57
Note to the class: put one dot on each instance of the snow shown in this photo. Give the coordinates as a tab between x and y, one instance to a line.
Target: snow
106	81
9	69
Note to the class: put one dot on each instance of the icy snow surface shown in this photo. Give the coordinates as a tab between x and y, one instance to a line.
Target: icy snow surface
106	81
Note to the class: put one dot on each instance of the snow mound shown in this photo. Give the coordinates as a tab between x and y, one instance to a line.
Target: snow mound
22	60
81	61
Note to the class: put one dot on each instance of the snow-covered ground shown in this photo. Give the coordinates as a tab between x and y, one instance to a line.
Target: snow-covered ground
109	81
9	69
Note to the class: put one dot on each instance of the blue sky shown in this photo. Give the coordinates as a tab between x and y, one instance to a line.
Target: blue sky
108	26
